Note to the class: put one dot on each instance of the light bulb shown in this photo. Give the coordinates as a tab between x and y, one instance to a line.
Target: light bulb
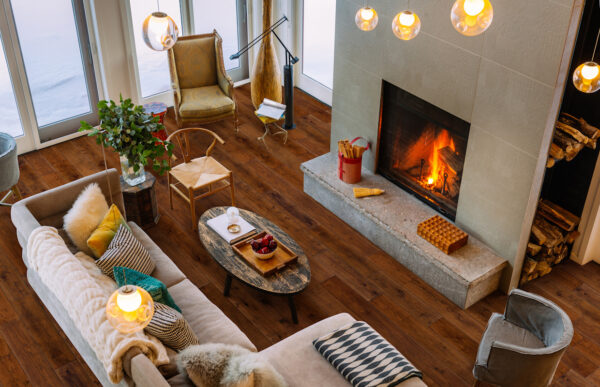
471	17
406	25
473	7
129	299
159	31
366	19
586	77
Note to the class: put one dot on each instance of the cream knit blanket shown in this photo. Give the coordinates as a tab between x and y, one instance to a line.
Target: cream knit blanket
84	290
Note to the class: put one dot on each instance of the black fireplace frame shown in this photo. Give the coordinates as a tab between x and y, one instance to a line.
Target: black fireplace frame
429	112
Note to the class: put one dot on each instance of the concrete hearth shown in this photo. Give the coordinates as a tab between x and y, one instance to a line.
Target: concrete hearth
390	221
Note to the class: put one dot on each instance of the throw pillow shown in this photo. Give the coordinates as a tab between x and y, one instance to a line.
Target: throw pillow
105	232
223	365
84	216
158	291
364	357
126	251
169	326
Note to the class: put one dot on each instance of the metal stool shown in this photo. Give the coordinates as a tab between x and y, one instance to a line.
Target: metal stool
9	168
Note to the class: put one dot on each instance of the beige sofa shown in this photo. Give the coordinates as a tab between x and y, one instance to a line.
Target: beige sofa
294	357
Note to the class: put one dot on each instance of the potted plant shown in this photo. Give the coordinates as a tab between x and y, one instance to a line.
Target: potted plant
130	132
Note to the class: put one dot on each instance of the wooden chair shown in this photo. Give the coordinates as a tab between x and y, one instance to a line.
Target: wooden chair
203	175
202	90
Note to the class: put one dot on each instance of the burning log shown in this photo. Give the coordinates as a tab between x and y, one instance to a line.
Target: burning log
557	215
452	159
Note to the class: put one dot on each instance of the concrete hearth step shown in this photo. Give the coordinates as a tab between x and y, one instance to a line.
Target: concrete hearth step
390	221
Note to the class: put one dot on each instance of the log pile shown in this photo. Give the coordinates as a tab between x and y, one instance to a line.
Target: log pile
552	234
571	135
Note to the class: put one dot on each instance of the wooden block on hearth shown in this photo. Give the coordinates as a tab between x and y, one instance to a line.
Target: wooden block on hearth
442	234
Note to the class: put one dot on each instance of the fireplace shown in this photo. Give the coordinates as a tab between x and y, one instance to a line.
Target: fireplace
421	148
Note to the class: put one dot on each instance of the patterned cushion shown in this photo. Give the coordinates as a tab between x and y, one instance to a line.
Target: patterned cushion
169	326
365	358
124	250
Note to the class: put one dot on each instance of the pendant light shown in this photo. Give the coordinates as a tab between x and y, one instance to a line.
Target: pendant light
586	77
159	30
471	17
366	18
130	308
406	25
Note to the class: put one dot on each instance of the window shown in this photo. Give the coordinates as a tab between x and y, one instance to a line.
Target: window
11	123
318	40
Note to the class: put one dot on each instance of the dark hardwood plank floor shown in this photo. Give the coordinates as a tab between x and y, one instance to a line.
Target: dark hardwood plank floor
349	273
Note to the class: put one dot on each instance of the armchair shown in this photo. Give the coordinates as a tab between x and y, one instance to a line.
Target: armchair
202	90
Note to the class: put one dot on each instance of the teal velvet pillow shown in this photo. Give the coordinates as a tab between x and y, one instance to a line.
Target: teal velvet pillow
158	291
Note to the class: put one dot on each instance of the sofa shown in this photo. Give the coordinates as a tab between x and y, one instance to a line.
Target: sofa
294	357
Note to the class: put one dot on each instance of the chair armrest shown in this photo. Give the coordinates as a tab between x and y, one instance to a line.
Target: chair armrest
224	80
144	373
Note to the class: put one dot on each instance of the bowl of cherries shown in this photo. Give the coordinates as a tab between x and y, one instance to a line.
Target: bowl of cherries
264	248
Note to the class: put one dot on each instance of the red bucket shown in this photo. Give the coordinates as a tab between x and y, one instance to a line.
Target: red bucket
350	168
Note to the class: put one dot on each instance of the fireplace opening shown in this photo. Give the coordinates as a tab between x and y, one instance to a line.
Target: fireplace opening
421	148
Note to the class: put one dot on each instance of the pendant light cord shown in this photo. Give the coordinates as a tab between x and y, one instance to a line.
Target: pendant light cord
596	45
158	5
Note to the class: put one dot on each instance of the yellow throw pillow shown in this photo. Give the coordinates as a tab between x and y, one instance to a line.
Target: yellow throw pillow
101	237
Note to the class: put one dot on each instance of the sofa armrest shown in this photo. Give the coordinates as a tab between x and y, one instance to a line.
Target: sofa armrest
145	374
24	222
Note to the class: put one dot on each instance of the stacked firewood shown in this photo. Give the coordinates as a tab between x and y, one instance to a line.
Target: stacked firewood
552	234
570	137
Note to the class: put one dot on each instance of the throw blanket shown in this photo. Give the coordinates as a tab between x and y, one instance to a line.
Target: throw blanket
84	290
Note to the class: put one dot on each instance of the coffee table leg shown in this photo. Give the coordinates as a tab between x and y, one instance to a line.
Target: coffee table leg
293	309
227	285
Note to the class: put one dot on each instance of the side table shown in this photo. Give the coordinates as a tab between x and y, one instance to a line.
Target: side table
140	202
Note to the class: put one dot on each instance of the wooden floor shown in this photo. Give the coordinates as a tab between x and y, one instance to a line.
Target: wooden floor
349	273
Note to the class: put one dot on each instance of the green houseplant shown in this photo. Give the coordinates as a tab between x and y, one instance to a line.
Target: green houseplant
129	131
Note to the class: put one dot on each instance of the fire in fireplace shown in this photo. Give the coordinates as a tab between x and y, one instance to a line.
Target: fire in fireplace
421	148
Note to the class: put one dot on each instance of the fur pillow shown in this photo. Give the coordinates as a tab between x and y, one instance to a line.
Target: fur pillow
85	215
223	365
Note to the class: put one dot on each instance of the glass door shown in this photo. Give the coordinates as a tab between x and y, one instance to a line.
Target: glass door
228	17
53	51
315	37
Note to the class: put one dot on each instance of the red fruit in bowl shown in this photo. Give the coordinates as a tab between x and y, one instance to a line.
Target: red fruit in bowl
264	250
264	242
269	237
255	245
272	245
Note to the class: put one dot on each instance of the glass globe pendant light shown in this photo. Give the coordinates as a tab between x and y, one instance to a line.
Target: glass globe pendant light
586	77
471	17
366	18
159	31
406	25
129	309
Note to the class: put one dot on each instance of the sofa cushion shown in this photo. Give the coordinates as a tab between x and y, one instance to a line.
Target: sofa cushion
169	326
84	216
204	102
125	250
166	271
157	290
102	236
209	323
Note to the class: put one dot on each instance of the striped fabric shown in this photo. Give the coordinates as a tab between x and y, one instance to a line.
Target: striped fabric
365	358
126	251
169	326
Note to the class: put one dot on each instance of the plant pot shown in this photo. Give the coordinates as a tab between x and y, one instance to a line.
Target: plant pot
129	175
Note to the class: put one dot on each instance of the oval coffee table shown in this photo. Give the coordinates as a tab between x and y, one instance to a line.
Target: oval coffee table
289	281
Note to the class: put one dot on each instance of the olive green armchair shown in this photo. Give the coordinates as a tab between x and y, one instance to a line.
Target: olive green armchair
202	90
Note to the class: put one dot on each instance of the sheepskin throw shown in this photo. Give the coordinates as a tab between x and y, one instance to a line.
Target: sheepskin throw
223	365
364	357
86	214
84	291
126	251
169	326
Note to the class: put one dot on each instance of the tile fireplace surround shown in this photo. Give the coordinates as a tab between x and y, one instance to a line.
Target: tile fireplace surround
507	83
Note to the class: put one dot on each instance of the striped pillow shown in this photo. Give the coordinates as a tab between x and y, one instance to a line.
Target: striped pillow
126	251
365	358
169	326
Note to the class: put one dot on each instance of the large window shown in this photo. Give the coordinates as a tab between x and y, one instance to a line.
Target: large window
228	17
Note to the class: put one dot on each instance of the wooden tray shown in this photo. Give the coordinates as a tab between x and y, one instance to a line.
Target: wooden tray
283	256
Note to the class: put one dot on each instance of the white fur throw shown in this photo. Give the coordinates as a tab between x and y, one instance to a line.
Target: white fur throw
224	365
87	212
83	290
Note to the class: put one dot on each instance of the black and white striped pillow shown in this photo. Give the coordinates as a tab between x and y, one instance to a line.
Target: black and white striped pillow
365	358
126	251
169	326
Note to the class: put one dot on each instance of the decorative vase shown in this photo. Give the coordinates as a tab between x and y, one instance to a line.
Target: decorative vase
129	175
266	75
